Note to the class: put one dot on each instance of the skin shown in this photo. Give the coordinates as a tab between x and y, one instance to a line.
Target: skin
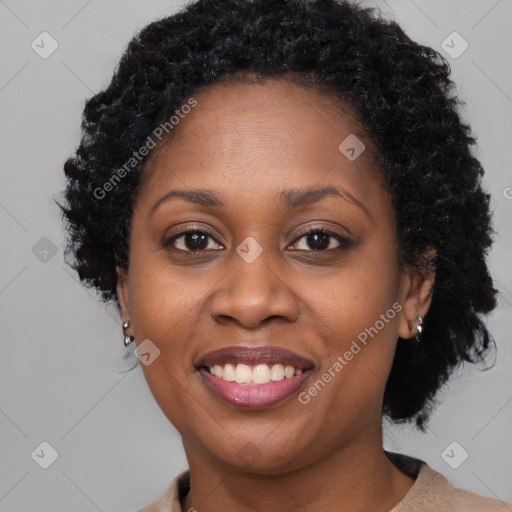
248	143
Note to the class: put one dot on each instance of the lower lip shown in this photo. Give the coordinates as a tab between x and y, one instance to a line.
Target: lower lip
257	396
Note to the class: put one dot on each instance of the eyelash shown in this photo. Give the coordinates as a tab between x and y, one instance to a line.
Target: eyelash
344	242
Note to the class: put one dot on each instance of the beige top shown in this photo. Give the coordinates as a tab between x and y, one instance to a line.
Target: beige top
431	492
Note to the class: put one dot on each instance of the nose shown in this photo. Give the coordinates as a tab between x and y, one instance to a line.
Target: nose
251	294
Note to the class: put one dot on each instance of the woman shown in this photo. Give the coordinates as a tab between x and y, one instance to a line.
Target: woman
281	198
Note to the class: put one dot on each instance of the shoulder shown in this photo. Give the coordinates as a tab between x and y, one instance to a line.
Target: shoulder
433	492
457	499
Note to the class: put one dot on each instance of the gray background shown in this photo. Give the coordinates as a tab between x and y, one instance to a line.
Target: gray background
61	349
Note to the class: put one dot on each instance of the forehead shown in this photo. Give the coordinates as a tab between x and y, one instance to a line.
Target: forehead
257	138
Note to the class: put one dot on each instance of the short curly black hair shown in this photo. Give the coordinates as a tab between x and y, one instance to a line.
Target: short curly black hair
403	97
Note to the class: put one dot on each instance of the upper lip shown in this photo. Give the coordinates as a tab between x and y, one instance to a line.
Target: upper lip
254	355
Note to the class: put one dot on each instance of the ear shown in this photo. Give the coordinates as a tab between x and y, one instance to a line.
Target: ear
416	290
123	293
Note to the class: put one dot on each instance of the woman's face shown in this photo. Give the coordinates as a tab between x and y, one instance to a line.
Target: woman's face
269	153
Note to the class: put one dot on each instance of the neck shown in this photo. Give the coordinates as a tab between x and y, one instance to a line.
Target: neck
356	478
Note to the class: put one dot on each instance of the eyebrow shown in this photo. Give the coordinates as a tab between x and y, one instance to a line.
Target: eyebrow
290	198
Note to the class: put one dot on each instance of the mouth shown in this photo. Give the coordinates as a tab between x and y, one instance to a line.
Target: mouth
253	377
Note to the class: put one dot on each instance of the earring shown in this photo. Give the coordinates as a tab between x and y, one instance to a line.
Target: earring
419	329
127	339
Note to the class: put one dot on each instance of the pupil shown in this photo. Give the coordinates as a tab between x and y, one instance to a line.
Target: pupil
200	241
324	241
193	239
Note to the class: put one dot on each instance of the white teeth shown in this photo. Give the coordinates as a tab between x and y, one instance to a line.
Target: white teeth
242	373
257	374
289	371
277	372
261	374
229	373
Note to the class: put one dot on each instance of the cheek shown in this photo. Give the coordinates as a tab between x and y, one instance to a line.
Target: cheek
354	298
356	314
165	300
165	304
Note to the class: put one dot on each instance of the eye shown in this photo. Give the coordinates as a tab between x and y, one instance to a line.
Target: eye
312	239
319	239
192	240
